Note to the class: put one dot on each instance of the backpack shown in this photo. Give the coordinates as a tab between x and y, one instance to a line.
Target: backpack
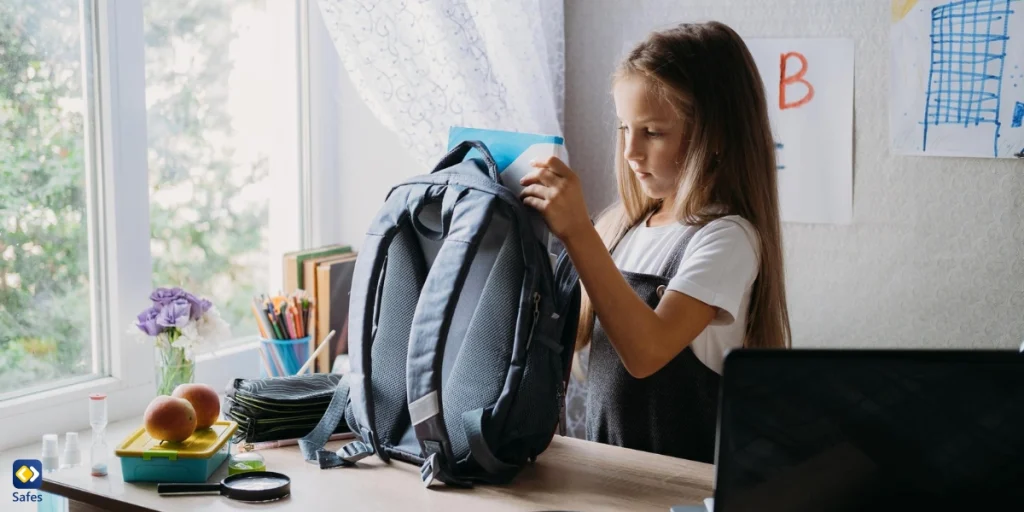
460	338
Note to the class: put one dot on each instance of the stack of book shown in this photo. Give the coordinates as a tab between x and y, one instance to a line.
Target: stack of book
325	275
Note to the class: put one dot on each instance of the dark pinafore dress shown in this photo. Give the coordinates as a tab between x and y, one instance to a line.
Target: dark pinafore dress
672	412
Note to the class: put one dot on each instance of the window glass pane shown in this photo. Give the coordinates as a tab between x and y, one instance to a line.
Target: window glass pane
44	259
207	92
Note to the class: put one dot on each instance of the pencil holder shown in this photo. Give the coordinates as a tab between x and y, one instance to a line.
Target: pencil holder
283	358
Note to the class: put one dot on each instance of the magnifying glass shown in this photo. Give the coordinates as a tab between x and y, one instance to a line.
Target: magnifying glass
248	486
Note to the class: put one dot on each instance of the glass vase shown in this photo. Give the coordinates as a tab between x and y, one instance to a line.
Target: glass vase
174	366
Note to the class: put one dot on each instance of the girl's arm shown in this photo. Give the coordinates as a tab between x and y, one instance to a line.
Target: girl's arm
646	340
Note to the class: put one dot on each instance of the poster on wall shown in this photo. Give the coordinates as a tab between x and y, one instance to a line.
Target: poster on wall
957	78
809	88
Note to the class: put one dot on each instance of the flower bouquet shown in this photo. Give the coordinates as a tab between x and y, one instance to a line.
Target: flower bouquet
179	322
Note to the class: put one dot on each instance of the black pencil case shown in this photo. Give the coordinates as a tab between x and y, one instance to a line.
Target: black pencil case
278	408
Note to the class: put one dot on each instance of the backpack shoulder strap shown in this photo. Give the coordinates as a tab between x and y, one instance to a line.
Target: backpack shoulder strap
362	329
367	271
470	217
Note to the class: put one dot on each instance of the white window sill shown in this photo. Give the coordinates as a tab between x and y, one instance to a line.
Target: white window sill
220	367
25	419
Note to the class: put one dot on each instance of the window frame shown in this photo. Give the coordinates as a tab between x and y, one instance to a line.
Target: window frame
322	69
118	216
119	228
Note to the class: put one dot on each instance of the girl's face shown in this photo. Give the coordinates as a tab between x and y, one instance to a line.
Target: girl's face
652	134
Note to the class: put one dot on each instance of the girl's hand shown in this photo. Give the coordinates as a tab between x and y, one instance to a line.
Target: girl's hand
554	190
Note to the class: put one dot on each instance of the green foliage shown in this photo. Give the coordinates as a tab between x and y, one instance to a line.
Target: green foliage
44	311
213	242
205	236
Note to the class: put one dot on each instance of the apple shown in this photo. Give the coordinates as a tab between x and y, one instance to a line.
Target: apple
204	400
169	418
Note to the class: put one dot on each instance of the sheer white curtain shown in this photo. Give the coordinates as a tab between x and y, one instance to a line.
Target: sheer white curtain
423	66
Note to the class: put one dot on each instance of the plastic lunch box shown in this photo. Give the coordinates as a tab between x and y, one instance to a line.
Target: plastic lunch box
144	459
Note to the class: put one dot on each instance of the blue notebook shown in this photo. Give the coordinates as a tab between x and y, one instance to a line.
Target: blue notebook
512	151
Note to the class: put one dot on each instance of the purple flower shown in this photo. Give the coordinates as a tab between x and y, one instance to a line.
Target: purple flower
164	296
147	321
175	314
199	306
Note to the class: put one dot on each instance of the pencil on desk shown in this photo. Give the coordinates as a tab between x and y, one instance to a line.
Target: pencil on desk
266	445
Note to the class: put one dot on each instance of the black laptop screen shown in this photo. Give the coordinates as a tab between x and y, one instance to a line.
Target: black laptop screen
870	430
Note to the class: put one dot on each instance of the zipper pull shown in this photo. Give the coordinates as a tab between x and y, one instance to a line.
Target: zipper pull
536	316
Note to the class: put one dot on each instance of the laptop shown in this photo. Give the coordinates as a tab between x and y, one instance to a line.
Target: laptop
852	430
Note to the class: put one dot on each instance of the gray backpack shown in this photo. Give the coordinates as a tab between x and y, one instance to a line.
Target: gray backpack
460	337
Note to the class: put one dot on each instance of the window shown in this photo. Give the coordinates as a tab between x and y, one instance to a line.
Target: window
141	144
208	83
45	278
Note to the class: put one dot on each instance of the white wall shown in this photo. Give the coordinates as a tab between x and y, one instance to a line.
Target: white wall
365	156
371	162
935	256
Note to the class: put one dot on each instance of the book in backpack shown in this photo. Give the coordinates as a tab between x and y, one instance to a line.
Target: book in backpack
460	335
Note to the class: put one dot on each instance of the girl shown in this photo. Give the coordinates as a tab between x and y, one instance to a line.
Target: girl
695	263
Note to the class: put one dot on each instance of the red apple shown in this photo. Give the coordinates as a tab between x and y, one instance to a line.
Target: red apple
170	419
204	400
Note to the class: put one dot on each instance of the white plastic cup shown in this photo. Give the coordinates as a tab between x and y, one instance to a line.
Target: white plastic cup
51	453
72	452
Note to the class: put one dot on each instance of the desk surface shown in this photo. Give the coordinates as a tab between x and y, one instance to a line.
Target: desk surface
570	475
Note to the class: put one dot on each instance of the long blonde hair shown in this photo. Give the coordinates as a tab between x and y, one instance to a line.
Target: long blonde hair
707	74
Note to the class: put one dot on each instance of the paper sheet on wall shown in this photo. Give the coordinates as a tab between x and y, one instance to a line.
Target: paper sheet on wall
809	88
957	78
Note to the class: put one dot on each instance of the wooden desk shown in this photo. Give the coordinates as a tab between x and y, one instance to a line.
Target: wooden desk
571	475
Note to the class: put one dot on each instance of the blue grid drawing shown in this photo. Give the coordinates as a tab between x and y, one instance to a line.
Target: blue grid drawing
968	50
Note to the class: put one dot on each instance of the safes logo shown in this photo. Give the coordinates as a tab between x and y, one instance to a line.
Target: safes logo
28	474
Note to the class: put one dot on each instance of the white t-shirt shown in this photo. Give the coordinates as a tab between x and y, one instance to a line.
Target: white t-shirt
718	269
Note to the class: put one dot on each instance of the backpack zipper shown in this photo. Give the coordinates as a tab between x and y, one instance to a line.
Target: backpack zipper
536	316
